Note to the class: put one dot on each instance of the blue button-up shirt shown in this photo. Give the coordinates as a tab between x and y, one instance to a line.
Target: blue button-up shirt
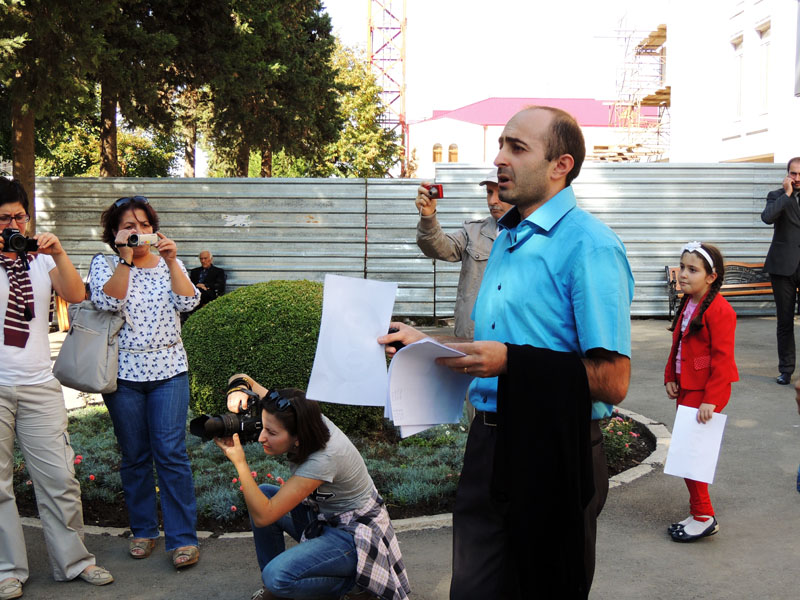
559	279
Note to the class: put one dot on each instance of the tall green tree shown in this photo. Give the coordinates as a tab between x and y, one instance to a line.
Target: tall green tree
43	71
276	88
363	148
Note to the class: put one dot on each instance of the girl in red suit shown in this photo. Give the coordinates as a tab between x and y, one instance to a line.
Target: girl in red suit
701	366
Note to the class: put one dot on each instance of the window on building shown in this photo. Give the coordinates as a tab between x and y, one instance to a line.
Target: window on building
437	153
737	75
764	29
452	153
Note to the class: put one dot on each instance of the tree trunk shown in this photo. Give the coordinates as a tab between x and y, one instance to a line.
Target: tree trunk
189	148
23	155
266	162
109	164
243	160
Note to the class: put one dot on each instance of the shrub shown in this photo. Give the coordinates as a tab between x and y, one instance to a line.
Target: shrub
618	435
269	331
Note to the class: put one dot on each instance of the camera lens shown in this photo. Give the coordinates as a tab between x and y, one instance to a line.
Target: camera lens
16	243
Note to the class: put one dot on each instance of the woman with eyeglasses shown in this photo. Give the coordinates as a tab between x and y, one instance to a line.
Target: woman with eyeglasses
330	504
149	408
32	404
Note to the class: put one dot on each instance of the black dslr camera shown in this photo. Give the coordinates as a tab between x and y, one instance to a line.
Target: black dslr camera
16	242
246	423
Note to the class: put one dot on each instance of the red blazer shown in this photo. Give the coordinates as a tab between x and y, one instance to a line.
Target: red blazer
707	355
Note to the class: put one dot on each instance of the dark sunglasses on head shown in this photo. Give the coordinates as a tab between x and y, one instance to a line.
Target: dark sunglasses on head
279	401
129	199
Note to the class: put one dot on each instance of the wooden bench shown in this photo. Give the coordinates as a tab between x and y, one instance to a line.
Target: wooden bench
741	279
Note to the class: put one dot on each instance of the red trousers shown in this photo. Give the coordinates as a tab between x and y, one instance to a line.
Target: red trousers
699	500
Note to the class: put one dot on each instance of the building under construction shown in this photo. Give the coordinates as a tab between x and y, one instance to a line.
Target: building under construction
640	114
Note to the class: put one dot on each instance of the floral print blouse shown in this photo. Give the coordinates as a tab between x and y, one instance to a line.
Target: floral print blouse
150	346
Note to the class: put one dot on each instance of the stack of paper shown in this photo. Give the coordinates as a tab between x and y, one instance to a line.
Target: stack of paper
350	365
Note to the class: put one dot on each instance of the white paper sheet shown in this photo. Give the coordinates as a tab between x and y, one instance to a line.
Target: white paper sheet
421	393
694	449
349	365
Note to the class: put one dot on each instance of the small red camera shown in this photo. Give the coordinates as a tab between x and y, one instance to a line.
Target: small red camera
436	190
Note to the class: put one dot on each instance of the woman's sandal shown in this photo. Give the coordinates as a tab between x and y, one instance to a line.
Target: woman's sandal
141	547
189	554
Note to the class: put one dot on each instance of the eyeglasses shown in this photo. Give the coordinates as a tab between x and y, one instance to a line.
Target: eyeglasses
21	218
280	402
129	199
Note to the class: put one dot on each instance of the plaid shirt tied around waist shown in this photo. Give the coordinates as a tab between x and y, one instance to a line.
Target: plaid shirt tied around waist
379	567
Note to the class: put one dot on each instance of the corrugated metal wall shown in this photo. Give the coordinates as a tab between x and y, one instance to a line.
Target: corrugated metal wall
303	228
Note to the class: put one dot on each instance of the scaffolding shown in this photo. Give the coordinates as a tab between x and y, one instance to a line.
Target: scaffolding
640	114
386	48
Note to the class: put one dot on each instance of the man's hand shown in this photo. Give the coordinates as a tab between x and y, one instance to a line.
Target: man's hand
202	286
609	374
425	204
405	335
672	389
483	359
705	412
787	185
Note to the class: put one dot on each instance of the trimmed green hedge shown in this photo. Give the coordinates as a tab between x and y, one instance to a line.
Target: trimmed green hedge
269	331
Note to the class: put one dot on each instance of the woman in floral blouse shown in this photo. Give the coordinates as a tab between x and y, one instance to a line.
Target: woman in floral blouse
152	398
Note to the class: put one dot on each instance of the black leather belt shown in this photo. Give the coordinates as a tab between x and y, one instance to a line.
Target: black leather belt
487	418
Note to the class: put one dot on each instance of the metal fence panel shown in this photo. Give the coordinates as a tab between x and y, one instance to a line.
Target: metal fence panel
263	229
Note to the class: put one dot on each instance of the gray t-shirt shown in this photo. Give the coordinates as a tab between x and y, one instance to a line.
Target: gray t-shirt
348	485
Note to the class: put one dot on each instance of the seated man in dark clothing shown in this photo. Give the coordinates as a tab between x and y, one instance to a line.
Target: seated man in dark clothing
210	280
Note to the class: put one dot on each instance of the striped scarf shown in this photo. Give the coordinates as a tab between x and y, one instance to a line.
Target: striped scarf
20	302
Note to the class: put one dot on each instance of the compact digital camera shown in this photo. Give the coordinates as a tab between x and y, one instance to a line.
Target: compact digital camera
436	190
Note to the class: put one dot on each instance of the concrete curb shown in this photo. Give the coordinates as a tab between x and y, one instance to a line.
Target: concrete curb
656	458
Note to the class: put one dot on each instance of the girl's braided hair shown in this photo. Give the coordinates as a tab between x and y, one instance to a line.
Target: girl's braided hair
719	268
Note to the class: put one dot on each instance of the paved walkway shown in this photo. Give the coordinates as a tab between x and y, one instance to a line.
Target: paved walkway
755	555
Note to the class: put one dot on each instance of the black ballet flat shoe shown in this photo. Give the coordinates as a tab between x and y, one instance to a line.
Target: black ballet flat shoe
679	524
784	379
680	535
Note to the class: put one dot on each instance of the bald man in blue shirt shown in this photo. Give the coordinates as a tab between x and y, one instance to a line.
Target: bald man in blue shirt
558	279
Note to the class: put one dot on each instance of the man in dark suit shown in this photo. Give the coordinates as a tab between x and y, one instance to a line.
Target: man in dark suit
783	262
210	280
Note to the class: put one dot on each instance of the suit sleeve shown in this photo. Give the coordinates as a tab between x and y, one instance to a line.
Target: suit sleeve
777	202
219	282
722	334
434	243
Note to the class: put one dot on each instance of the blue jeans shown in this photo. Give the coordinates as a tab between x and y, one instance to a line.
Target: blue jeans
150	423
321	566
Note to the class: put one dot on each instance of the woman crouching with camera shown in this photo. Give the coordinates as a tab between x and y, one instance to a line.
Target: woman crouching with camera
330	504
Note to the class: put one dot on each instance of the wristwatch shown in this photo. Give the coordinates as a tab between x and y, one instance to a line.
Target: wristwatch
122	261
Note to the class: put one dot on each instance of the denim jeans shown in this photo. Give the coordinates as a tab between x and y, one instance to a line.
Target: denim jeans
150	423
321	566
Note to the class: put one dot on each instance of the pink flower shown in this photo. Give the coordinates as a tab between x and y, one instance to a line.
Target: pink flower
634	434
234	480
29	482
79	456
233	508
78	459
619	433
91	477
240	487
253	474
269	475
626	445
280	481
